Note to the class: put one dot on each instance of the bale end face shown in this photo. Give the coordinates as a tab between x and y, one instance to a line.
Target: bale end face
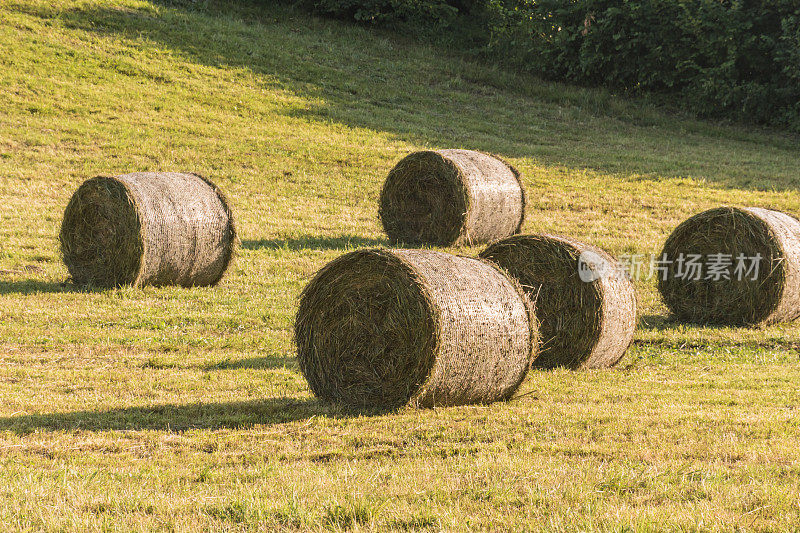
101	234
424	201
366	334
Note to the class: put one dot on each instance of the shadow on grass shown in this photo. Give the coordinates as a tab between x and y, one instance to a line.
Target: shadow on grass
174	417
664	322
32	286
255	363
311	242
380	81
657	322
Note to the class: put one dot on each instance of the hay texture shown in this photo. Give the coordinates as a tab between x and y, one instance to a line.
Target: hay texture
451	197
585	321
147	228
774	295
384	328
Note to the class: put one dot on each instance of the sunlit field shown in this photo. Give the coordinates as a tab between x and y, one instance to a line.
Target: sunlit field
184	409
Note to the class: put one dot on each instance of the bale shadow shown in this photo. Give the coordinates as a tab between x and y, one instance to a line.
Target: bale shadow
175	417
33	286
657	322
312	242
664	322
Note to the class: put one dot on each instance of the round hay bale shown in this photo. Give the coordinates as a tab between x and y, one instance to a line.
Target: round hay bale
585	303
386	328
763	294
451	197
148	228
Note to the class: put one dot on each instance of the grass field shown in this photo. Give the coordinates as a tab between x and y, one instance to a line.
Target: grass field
183	409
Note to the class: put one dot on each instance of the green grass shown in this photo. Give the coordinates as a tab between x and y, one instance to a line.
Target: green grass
183	409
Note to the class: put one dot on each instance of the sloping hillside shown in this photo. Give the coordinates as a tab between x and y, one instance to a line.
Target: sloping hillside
183	409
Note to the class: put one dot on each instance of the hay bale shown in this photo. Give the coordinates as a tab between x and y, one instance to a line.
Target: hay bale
774	294
148	228
451	197
385	328
587	319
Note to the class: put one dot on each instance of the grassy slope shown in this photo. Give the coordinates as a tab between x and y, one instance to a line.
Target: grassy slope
183	409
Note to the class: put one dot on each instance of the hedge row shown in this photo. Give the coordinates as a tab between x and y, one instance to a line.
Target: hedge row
734	59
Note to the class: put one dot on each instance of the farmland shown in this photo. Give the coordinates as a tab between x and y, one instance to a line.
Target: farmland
184	409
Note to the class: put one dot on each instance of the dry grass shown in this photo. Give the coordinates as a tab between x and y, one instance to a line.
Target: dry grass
451	197
771	293
583	323
148	228
379	329
101	235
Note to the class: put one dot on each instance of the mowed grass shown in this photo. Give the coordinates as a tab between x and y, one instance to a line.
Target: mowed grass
183	409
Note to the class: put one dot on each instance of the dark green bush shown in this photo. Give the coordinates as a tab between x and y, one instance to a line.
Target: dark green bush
735	59
424	12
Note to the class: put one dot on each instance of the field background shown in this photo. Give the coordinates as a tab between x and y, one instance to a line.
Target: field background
183	409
